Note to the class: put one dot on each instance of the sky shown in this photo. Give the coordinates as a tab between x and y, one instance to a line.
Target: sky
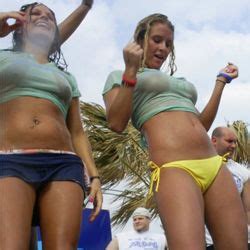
208	35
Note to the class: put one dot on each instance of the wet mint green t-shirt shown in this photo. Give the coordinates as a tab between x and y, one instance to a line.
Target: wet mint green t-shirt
156	92
21	75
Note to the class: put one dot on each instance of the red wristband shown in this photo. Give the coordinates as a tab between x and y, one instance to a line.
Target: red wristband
128	82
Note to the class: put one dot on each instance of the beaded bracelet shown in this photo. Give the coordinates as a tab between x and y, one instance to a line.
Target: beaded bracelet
218	80
91	178
128	82
226	76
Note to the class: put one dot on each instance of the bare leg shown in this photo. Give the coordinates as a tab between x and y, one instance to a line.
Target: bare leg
60	205
17	200
180	204
225	214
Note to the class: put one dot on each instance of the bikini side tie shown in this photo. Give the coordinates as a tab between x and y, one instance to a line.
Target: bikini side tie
155	177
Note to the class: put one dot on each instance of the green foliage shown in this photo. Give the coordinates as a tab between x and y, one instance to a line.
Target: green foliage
119	157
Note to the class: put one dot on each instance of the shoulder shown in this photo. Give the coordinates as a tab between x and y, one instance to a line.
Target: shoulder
234	166
68	75
115	76
232	163
160	236
8	56
7	53
113	80
157	236
125	233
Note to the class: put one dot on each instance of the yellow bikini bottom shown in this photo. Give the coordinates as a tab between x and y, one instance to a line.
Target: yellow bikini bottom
203	171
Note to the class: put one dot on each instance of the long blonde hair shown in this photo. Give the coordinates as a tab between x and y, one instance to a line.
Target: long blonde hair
141	35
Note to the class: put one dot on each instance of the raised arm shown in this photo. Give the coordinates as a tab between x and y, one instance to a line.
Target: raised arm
118	101
207	116
71	23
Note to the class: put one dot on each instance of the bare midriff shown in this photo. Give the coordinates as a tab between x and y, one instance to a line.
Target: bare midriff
33	123
176	135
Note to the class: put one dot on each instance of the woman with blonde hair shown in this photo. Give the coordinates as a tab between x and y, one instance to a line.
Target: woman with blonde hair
190	182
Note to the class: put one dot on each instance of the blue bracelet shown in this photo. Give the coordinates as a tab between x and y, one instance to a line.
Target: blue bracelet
226	76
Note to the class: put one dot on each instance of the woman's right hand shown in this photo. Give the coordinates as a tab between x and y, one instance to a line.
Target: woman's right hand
97	198
132	55
5	27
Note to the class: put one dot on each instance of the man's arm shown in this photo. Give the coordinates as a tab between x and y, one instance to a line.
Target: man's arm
113	245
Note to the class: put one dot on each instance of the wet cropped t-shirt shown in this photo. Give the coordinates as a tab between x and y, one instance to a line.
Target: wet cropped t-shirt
156	92
21	75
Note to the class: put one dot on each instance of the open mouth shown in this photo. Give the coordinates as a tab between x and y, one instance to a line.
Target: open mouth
42	24
160	57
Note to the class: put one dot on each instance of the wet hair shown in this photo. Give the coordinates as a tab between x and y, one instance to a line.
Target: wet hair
55	54
142	31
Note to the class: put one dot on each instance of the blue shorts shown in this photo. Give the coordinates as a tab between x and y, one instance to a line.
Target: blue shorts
41	168
38	169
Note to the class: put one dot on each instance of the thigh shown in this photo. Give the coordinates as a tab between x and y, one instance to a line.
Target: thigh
180	205
225	216
60	209
17	200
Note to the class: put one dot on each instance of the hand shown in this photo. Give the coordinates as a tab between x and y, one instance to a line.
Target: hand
5	28
231	70
132	55
88	3
96	197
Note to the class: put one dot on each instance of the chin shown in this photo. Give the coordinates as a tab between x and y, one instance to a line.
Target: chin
140	229
153	66
156	65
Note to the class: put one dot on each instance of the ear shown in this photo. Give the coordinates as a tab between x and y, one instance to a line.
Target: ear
213	140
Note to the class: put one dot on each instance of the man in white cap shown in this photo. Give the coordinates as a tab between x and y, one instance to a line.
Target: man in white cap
224	140
141	238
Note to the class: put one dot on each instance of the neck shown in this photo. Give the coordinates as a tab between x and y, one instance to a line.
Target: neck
39	53
142	230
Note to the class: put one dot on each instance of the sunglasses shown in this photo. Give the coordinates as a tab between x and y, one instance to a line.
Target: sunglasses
26	6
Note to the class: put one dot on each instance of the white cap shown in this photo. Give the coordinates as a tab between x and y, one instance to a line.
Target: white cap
141	211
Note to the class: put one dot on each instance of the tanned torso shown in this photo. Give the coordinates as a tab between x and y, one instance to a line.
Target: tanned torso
33	123
186	142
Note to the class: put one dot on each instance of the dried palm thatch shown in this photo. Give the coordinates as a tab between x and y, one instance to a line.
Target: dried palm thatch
242	152
119	158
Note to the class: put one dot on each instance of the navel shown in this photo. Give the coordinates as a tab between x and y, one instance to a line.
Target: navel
35	122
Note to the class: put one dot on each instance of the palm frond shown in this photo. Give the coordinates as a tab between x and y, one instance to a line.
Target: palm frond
119	158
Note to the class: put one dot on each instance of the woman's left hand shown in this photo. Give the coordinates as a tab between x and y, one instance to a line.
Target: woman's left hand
96	196
231	70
